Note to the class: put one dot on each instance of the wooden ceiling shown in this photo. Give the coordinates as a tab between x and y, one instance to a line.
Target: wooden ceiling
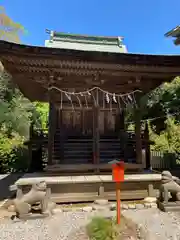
34	69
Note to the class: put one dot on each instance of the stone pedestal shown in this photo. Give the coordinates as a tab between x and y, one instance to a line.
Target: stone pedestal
169	207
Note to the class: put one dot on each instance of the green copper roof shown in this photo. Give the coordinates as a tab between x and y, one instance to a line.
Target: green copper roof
175	32
85	43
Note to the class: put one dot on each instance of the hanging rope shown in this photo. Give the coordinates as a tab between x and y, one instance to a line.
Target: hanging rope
152	119
110	98
91	90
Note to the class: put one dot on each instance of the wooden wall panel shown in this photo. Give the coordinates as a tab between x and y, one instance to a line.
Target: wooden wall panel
108	121
79	121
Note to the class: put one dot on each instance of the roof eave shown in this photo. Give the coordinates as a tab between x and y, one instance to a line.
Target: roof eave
173	32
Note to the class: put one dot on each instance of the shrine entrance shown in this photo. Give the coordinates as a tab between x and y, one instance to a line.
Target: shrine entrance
73	139
80	132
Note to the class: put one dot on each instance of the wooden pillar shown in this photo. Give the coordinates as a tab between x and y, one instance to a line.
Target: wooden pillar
123	136
51	132
96	135
138	136
147	147
61	135
122	120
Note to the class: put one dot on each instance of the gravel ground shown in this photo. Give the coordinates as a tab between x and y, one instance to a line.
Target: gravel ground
70	226
62	226
157	225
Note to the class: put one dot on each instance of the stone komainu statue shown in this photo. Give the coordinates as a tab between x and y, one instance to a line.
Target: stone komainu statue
169	186
39	195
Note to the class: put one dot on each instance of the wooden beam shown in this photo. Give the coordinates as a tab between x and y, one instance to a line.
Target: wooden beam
39	71
128	65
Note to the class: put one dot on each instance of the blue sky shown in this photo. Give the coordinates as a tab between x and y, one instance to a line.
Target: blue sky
141	22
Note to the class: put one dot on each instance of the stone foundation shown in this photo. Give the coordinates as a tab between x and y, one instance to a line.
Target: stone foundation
169	207
87	188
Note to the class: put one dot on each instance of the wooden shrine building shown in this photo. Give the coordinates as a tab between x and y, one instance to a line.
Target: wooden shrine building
88	82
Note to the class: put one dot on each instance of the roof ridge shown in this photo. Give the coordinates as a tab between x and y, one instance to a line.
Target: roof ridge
85	42
56	33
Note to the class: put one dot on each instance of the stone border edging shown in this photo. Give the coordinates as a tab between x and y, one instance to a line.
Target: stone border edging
109	207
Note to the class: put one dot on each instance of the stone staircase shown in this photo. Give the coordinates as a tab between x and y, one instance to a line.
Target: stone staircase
79	149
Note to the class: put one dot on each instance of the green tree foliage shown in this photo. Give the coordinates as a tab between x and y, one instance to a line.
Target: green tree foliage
163	104
16	115
41	114
15	111
9	30
162	107
169	139
15	118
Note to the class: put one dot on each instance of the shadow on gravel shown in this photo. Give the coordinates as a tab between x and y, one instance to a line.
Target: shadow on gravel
79	234
6	180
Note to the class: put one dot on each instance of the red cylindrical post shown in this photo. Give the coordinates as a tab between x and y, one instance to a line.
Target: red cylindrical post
118	200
